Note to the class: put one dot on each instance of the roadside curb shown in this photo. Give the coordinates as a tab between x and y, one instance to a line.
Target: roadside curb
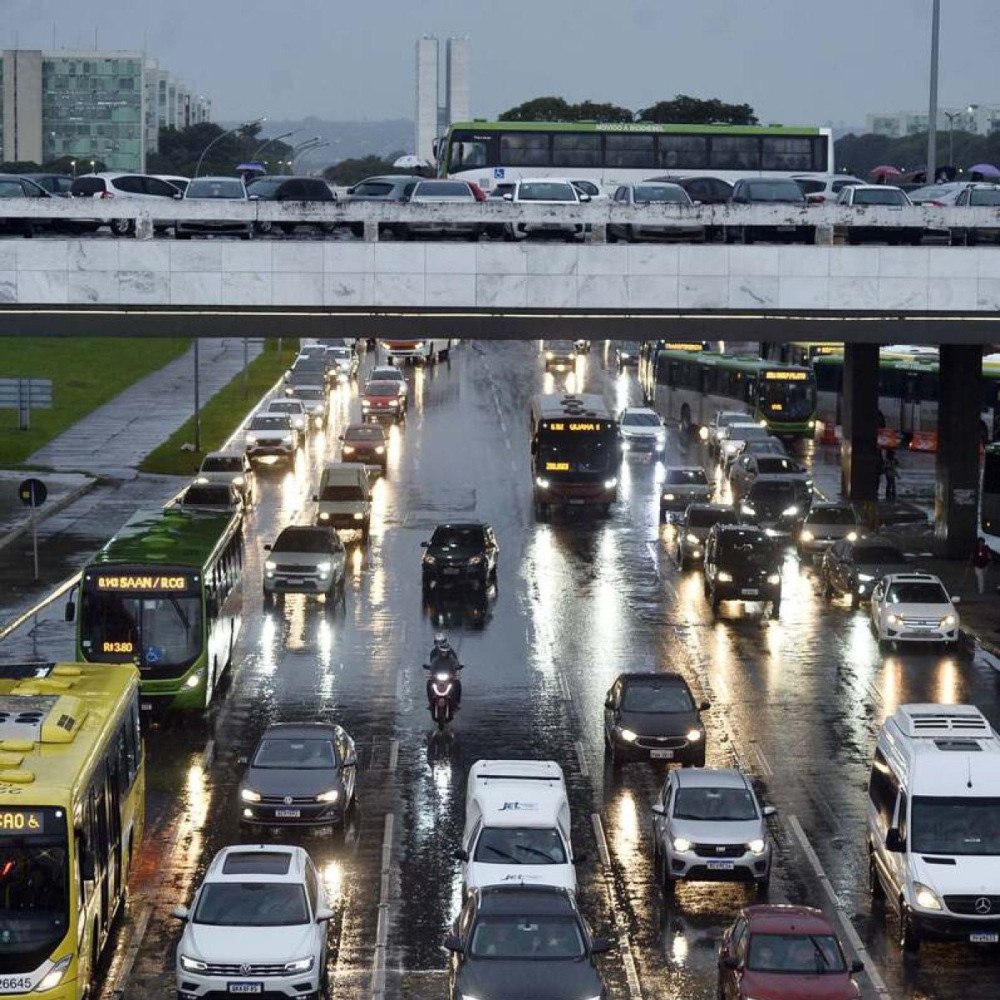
970	640
60	505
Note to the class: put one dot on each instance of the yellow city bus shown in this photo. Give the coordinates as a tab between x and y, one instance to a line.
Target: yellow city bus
72	800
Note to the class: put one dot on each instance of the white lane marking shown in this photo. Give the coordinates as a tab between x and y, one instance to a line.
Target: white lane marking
393	756
653	555
564	690
625	946
852	935
765	764
132	951
581	756
382	927
208	755
400	685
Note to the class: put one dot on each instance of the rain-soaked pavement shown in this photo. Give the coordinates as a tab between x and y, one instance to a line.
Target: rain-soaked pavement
795	702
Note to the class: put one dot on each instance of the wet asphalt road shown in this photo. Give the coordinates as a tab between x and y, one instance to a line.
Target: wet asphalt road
795	702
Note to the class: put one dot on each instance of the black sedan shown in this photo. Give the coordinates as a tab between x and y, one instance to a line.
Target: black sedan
853	568
653	717
523	941
460	554
301	774
742	564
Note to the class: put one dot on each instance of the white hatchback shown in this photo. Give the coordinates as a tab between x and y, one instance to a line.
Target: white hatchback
257	925
913	607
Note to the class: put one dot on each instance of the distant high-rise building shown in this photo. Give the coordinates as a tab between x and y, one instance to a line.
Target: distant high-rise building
432	117
983	119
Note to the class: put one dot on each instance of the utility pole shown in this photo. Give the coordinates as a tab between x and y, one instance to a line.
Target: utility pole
933	109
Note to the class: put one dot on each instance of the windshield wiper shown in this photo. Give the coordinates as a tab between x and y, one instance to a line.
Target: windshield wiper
535	850
823	962
502	854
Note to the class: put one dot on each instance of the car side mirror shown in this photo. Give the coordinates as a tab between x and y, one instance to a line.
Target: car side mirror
894	842
70	612
770	811
180	913
600	945
351	760
178	196
424	545
730	962
454	943
461	854
857	966
956	599
350	190
323	915
584	197
253	197
508	197
609	703
657	809
704	706
267	547
315	498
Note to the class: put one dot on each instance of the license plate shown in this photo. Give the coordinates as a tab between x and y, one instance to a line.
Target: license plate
15	984
721	866
984	937
786	229
146	706
245	988
452	572
576	503
292	582
749	592
661	754
287	813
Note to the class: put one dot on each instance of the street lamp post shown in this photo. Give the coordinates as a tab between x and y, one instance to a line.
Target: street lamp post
72	164
268	142
222	135
308	149
933	104
951	116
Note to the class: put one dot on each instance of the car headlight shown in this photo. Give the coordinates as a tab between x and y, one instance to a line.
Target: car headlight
365	404
380	450
324	568
475	560
703	433
669	496
756	846
926	897
348	449
948	621
324	516
330	796
748	510
661	436
300	964
359	515
691	539
773	578
610	484
192	964
54	976
790	511
201	480
892	619
624	357
251	438
725	577
625	444
549	355
286	438
693	735
270	565
394	402
865	577
542	484
628	736
852	536
249	795
239	481
430	560
682	844
807	536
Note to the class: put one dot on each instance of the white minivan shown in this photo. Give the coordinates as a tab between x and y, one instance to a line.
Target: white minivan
344	499
934	824
517	825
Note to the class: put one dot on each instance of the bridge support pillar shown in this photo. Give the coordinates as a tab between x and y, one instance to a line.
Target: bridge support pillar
957	480
859	423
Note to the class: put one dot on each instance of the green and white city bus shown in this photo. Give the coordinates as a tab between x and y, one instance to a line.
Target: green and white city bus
166	593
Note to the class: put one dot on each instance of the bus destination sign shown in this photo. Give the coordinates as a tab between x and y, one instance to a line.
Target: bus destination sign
786	376
147	583
28	822
574	426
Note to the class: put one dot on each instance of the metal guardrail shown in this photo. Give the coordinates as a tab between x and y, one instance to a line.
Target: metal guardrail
371	215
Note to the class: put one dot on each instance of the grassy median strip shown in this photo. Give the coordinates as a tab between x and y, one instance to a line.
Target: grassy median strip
221	415
86	372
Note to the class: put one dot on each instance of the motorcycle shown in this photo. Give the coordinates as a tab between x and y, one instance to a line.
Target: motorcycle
444	690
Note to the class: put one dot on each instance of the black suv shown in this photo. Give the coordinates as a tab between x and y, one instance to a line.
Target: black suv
460	553
855	567
777	505
298	189
742	564
653	717
513	940
772	191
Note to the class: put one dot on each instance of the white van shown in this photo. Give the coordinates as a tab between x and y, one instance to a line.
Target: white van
344	499
934	823
517	825
427	350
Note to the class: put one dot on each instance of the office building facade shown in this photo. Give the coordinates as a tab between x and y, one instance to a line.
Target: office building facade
983	119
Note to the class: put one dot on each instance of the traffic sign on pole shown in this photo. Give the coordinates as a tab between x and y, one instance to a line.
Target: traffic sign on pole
33	493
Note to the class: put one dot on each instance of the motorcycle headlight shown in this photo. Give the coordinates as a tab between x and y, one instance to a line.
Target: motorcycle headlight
54	976
300	964
790	511
542	484
926	897
610	484
191	964
249	795
693	735
682	844
756	846
774	578
725	577
442	677
628	736
330	796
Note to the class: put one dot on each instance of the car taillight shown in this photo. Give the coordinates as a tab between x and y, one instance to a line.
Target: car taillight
936	204
815	199
106	194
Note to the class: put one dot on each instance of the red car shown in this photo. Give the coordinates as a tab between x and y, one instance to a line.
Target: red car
364	443
784	953
383	400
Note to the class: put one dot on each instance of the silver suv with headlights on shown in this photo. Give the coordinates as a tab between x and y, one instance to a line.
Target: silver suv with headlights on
271	438
708	826
683	486
305	560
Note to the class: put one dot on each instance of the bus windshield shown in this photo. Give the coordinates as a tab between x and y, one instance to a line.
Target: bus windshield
575	453
34	897
161	633
789	400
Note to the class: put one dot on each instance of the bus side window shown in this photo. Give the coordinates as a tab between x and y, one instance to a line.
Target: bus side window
124	759
136	733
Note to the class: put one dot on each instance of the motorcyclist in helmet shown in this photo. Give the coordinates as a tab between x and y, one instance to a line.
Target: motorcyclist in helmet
443	657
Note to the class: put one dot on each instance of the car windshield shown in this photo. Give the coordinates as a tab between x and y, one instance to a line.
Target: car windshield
271	423
515	845
381	389
546	191
457	538
874	555
639	419
725	419
512	937
700	517
222	463
776	190
366	432
879	196
778	467
215	189
686	477
342	493
754	551
966	825
753	433
340	353
805	954
664	192
388	374
303	540
312	395
295	754
251	904
984	198
285	406
723	805
832	515
443	189
773	490
656	697
207	495
34	892
266	187
916	593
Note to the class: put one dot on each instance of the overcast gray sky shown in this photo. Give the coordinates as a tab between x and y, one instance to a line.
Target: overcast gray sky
800	61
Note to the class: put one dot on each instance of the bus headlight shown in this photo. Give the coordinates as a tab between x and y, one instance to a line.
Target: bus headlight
542	484
195	679
54	976
610	484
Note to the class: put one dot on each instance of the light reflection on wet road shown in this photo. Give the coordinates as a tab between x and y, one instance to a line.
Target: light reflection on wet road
795	702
